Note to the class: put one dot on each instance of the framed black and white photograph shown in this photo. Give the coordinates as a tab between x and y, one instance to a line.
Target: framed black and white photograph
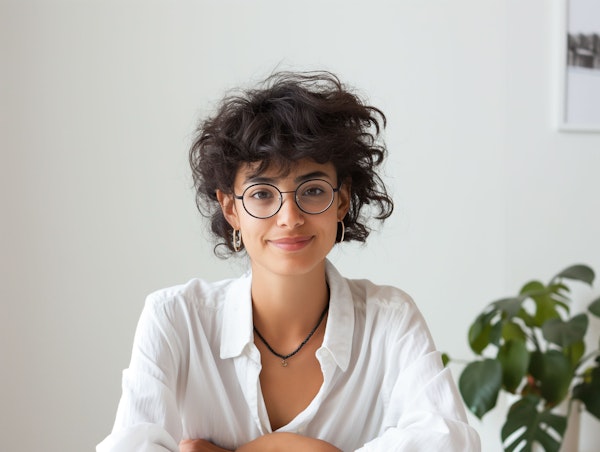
580	66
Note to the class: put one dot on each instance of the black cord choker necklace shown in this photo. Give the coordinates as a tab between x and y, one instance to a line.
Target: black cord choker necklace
284	358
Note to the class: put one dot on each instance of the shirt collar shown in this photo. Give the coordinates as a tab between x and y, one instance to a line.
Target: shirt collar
340	322
237	330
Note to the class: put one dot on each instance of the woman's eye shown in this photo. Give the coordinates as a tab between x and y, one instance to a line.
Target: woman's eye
261	195
313	191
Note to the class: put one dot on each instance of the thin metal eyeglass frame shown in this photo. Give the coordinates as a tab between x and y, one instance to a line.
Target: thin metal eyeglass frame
281	193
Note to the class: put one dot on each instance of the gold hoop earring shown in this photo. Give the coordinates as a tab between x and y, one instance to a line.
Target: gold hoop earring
343	231
236	240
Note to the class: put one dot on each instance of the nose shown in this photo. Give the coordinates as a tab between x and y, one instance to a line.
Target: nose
289	214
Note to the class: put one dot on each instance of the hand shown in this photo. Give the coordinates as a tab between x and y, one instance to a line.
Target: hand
199	445
288	442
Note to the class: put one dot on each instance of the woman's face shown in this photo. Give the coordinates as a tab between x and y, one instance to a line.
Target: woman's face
291	241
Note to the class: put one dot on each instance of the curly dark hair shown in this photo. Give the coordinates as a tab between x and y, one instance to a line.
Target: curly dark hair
290	117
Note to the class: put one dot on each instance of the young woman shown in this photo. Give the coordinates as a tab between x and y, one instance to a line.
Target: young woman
290	356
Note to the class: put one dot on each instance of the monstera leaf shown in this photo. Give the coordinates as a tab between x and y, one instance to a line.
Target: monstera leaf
545	304
524	413
530	345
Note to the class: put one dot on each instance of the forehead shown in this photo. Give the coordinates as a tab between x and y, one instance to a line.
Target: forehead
303	169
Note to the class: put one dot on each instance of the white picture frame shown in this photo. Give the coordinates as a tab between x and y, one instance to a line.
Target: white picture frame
579	66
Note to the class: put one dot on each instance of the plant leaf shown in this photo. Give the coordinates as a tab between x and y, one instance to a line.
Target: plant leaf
545	309
445	359
525	425
509	306
578	273
560	290
514	357
479	385
565	333
562	304
533	288
554	373
545	305
496	333
589	392
574	352
526	317
479	332
594	307
513	331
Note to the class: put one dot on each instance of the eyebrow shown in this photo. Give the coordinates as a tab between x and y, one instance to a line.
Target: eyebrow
272	180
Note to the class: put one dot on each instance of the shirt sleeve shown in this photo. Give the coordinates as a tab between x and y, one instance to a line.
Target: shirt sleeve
429	413
424	408
148	418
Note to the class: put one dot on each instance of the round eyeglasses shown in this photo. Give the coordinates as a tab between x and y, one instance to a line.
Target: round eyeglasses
313	196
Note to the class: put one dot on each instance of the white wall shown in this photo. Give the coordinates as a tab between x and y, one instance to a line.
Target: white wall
99	101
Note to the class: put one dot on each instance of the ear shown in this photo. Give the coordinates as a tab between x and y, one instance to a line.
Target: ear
344	199
228	208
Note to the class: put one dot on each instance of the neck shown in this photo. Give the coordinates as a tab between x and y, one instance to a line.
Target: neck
288	306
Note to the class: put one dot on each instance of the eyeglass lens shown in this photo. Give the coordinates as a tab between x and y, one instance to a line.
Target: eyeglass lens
264	200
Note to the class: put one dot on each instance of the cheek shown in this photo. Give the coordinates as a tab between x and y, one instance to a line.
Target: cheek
331	227
252	229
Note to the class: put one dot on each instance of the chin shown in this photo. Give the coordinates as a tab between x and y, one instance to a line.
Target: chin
295	265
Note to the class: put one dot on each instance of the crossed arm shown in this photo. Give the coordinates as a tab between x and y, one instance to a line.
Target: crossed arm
272	442
424	410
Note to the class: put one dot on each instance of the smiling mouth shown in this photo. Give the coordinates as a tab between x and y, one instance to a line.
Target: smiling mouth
291	243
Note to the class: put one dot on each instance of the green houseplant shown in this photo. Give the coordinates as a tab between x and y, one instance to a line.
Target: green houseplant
530	345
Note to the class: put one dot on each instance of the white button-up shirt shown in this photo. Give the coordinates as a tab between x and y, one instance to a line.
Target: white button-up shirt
194	373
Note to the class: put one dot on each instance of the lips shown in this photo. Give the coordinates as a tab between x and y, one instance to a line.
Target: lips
291	243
